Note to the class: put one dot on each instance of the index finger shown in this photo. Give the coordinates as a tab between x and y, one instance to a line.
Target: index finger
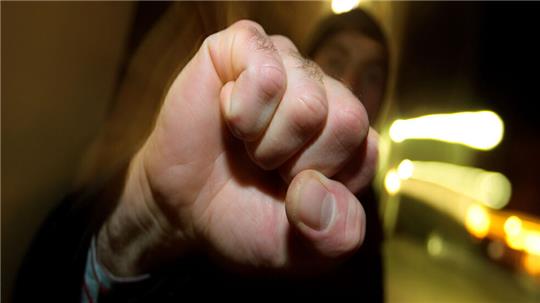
253	75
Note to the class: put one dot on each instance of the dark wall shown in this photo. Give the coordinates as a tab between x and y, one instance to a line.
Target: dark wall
59	66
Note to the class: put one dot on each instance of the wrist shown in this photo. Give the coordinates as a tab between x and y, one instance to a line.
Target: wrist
137	237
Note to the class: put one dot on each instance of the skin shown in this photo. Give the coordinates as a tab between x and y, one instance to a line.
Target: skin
253	160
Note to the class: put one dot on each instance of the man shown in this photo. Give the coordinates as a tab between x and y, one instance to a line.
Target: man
352	48
245	187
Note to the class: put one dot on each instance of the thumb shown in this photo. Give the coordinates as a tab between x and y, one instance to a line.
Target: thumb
325	213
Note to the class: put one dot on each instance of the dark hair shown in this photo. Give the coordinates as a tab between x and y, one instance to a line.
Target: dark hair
356	20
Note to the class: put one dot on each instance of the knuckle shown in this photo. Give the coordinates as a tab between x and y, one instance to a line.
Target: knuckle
351	126
283	42
244	28
253	35
311	69
247	25
354	118
272	80
208	40
309	112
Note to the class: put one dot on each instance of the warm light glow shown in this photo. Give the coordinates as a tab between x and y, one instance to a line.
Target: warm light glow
515	242
531	263
392	183
477	221
512	226
480	130
495	189
522	239
405	169
492	189
434	244
343	6
531	243
437	197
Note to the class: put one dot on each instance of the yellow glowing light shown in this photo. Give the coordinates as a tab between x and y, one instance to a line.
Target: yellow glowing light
495	189
492	189
435	245
392	183
405	169
512	226
480	130
477	221
525	240
531	263
515	242
531	243
523	233
343	6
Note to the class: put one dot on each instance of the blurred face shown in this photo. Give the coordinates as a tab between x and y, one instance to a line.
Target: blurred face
359	62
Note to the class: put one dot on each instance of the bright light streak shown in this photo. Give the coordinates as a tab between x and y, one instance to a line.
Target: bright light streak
477	221
437	197
531	243
492	189
515	242
405	169
525	240
522	237
512	226
480	130
343	6
392	183
495	188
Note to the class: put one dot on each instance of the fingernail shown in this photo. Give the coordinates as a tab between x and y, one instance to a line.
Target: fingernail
316	205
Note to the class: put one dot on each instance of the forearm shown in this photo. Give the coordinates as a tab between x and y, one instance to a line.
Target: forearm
134	238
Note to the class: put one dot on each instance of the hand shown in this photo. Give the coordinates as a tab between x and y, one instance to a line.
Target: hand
238	164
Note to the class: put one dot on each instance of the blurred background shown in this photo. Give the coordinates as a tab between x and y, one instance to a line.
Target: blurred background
459	134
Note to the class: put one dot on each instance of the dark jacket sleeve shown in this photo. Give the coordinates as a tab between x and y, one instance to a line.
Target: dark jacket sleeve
52	269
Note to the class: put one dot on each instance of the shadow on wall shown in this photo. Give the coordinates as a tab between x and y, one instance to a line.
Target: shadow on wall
59	66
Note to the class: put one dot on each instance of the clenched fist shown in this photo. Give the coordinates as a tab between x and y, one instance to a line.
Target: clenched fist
254	160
